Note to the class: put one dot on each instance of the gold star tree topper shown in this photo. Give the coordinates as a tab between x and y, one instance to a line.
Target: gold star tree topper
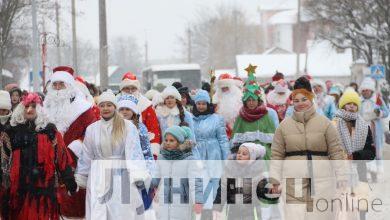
251	69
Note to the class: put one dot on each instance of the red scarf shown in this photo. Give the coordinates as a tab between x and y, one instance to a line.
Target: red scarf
252	115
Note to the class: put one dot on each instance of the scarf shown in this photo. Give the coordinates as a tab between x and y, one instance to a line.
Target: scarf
251	115
175	154
355	141
209	111
5	118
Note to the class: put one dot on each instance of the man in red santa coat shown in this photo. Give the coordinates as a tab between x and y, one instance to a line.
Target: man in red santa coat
67	107
131	85
227	99
279	98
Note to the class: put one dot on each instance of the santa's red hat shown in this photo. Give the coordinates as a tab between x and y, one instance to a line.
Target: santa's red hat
80	79
62	74
225	80
129	79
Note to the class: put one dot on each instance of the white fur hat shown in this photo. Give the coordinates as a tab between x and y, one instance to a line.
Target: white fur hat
5	100
367	84
319	82
256	151
107	96
157	99
171	91
150	94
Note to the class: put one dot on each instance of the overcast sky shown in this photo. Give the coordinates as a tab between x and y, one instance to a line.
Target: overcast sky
162	20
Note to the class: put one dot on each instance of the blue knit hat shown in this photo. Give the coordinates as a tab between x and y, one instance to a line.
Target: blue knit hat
180	133
202	95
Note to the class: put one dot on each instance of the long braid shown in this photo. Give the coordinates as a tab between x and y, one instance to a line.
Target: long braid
181	114
135	120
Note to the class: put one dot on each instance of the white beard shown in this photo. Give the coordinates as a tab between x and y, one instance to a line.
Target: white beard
58	107
229	105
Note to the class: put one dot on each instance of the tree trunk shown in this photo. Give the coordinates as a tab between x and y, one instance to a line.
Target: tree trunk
103	50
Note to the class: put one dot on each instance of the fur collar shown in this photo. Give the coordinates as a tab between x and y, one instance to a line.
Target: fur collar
165	111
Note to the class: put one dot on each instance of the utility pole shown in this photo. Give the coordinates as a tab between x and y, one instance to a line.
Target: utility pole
189	60
103	48
74	37
44	54
146	50
35	50
298	37
58	34
235	17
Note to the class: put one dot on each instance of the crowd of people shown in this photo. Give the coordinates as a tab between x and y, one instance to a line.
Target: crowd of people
48	141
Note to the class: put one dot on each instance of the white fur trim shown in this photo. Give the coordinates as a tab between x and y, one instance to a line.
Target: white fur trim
81	180
84	90
77	147
79	106
5	100
226	83
62	76
367	84
127	82
107	96
150	94
253	136
319	82
143	103
171	91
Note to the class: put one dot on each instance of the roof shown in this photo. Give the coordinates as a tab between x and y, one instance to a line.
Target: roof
276	50
96	78
7	73
288	17
322	61
278	4
171	67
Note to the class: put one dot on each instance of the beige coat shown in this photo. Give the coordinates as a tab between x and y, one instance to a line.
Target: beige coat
301	132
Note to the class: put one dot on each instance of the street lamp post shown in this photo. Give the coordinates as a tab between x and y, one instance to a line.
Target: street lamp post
48	38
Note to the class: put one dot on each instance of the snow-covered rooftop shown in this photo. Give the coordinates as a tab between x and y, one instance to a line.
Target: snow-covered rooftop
323	60
288	17
278	4
171	67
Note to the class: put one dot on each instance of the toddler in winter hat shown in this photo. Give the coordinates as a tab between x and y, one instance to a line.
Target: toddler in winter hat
256	151
181	134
